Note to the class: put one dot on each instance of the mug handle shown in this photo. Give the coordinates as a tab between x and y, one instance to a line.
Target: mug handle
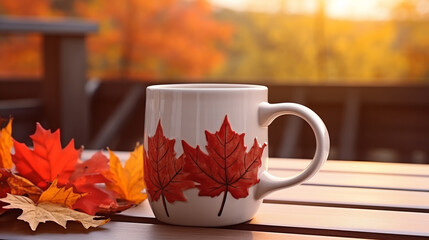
267	113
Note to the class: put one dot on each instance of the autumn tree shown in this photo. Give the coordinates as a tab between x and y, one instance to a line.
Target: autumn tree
20	54
285	48
187	38
165	38
412	37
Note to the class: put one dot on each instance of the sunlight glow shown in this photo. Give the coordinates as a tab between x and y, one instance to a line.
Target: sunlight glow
363	9
345	9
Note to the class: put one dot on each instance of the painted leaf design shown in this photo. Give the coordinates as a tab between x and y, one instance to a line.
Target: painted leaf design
6	144
163	172
226	168
85	179
47	160
128	181
46	211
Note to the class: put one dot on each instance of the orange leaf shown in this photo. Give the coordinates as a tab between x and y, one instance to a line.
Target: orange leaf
6	144
61	196
20	186
127	181
47	161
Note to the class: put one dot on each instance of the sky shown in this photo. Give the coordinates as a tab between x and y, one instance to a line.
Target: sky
351	9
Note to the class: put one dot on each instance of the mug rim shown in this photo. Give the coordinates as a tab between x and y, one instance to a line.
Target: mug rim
206	87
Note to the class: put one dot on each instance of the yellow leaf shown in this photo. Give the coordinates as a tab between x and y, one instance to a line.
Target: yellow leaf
46	211
127	181
57	195
6	144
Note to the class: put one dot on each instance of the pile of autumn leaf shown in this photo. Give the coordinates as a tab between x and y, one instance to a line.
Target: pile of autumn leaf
51	183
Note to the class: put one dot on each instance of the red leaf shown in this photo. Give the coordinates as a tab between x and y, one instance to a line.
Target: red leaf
227	167
90	171
84	179
4	186
47	160
97	200
163	172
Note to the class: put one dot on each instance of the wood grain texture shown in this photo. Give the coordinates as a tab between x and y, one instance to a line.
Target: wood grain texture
333	221
363	180
10	228
343	219
345	199
353	197
354	167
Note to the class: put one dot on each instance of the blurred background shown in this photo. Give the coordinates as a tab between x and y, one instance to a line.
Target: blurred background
363	66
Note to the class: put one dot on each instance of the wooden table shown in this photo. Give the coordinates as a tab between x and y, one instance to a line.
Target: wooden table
344	200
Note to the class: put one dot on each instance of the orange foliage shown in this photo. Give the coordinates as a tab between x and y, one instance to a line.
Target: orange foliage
26	7
20	54
154	38
136	38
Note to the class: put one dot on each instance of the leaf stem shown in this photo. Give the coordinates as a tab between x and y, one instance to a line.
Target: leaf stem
165	205
223	201
226	175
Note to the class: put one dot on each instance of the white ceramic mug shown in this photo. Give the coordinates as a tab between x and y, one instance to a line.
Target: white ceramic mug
206	151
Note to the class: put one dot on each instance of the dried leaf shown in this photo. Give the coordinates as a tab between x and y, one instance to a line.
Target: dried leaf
128	181
6	144
47	161
46	211
21	186
227	167
57	195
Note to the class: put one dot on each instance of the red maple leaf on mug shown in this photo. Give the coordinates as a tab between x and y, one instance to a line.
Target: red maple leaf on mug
163	172
227	167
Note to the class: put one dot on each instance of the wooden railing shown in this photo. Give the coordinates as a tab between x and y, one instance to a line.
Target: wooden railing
383	123
387	123
63	96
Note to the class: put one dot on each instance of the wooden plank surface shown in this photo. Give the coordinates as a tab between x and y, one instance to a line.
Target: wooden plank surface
360	180
352	183
345	199
354	221
389	176
353	198
10	228
330	221
381	168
